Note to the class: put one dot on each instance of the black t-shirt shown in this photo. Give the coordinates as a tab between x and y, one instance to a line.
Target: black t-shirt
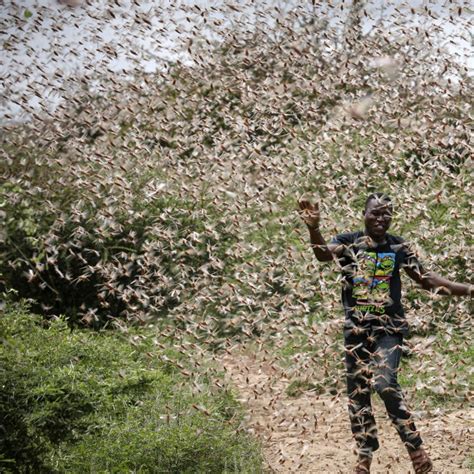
371	292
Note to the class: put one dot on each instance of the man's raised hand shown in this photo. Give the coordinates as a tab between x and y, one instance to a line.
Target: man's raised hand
310	213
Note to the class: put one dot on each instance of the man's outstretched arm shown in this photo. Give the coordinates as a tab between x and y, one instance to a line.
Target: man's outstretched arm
432	281
310	214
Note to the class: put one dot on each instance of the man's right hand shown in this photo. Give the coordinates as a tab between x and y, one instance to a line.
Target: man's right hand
310	213
311	216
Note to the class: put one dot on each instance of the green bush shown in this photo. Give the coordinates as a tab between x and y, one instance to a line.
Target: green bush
83	401
95	258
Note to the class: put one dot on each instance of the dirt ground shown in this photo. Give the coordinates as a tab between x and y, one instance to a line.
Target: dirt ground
311	434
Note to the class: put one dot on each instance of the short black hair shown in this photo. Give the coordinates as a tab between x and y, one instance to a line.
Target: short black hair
380	197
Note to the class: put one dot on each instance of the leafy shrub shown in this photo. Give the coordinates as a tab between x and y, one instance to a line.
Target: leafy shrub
98	257
82	401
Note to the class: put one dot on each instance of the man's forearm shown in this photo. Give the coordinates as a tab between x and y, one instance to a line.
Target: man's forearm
319	245
433	281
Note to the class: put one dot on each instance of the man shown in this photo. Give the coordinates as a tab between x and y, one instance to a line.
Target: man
375	322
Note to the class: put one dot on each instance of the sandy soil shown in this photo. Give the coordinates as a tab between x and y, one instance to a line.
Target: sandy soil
311	434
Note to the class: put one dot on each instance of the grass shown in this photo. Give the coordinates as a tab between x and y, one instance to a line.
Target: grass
447	380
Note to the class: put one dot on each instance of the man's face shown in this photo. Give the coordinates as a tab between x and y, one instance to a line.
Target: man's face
377	217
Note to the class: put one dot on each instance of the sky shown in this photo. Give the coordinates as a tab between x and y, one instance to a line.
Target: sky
48	44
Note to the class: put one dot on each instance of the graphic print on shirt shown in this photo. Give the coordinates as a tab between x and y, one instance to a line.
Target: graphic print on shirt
371	283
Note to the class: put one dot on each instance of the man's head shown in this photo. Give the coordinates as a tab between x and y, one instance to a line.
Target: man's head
377	215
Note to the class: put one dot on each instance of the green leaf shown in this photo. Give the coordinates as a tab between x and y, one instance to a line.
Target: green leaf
28	14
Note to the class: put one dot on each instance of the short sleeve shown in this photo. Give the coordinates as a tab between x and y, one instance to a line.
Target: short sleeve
408	257
343	239
345	246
